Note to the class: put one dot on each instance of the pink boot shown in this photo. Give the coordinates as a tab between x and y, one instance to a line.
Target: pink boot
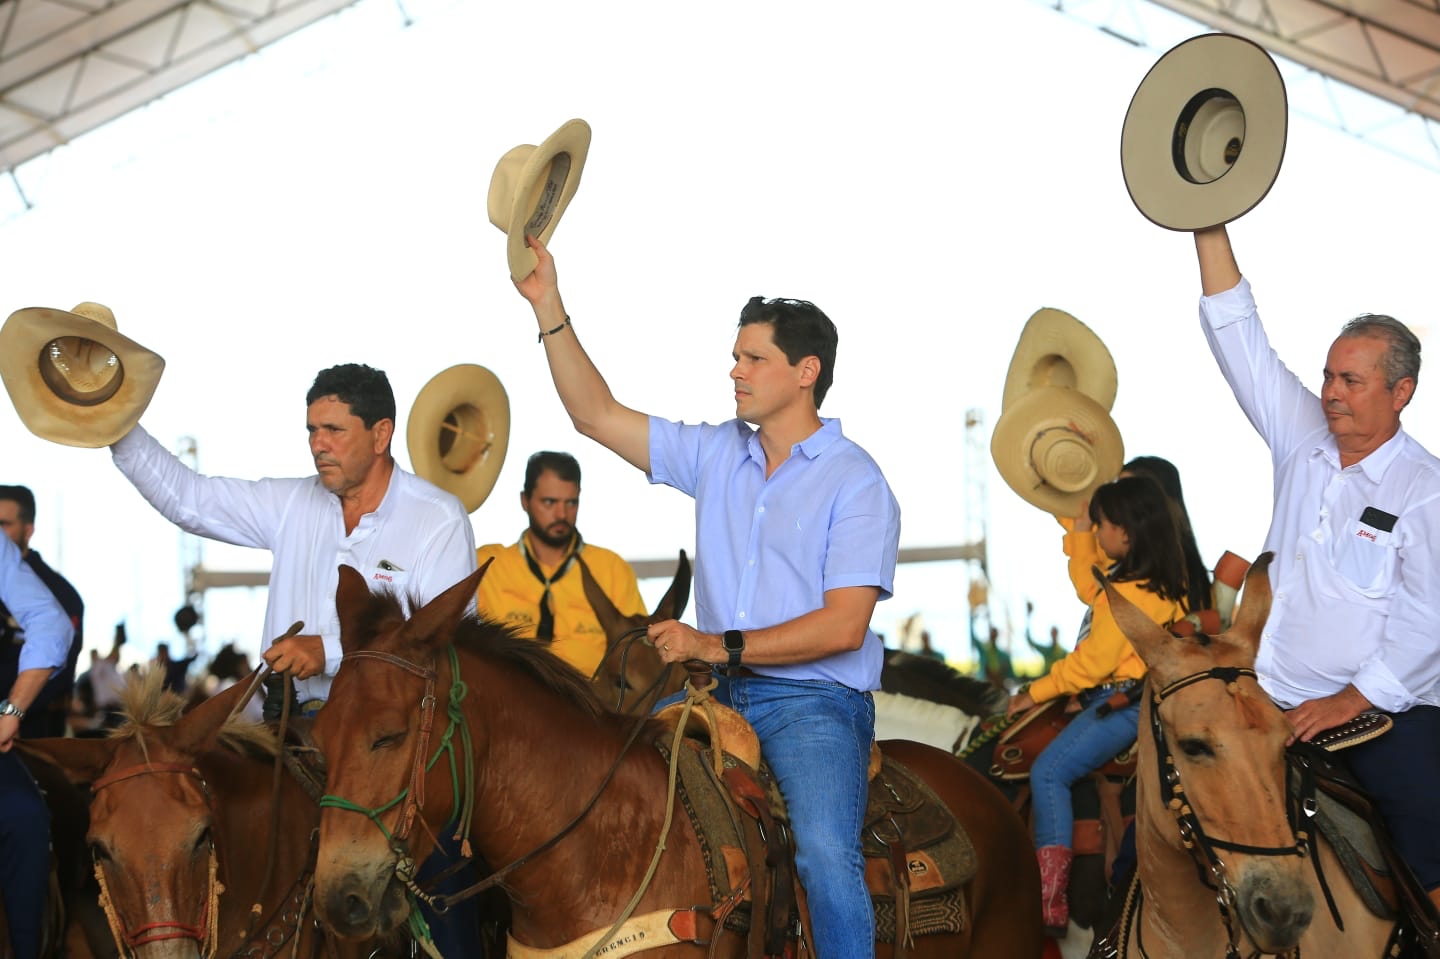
1054	877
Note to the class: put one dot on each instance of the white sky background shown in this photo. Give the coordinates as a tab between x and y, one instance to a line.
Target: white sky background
929	173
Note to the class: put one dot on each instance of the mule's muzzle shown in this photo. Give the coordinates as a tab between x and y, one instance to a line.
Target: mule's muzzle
358	906
1275	906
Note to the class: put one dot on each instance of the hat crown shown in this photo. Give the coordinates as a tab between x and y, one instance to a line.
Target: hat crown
503	183
98	312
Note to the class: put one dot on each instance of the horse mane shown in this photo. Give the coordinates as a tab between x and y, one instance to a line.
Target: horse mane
491	639
932	679
146	704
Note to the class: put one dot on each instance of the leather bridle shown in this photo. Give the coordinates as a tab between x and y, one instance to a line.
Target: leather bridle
203	932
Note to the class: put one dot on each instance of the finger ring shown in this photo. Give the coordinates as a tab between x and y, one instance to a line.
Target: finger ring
667	647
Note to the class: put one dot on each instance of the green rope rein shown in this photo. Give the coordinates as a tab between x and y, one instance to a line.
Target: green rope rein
463	800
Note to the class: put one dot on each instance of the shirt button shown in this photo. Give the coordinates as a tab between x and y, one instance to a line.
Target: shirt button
751	563
1299	557
742	615
761	510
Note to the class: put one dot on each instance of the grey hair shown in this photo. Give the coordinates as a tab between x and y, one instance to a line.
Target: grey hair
1402	357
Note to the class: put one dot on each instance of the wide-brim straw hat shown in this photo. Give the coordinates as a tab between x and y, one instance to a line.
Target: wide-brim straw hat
73	377
458	431
532	186
1055	349
1054	446
1205	133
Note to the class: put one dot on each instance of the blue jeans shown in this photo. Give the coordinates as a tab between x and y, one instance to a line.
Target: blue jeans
1086	744
24	855
815	736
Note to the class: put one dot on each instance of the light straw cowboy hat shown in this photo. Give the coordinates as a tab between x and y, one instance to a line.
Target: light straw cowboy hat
458	430
1205	133
532	186
1054	446
1055	349
74	379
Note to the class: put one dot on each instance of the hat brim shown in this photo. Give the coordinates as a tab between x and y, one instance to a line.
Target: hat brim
458	431
1088	441
1055	349
51	416
1165	132
539	192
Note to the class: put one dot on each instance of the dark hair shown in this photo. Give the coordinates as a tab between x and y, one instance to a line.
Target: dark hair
1138	505
800	329
1402	356
562	465
23	498
1197	575
366	390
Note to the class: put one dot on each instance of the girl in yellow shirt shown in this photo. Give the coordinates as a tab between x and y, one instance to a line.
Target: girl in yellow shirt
1134	526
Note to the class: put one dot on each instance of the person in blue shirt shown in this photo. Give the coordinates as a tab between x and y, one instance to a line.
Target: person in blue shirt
24	820
797	536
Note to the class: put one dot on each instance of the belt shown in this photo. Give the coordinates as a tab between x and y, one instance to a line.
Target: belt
720	669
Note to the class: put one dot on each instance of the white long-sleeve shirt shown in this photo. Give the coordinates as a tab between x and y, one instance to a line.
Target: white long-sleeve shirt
418	541
1353	602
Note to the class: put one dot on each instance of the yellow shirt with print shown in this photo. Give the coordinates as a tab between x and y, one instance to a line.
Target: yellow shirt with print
510	593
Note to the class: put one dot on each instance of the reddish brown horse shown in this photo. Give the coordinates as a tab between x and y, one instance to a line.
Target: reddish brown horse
568	816
183	808
1222	864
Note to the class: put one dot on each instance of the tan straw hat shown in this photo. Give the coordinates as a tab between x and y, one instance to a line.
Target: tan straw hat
1205	133
1055	349
458	430
74	379
532	186
1053	446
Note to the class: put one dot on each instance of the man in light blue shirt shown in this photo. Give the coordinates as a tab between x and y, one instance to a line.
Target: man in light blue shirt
797	536
24	821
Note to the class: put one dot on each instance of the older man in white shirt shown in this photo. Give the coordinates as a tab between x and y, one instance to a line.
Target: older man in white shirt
1355	622
360	509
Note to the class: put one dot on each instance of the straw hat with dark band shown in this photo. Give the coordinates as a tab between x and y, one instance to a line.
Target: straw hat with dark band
1054	446
74	379
458	430
1205	133
532	186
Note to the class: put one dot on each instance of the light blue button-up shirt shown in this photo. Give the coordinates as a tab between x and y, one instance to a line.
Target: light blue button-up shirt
47	629
766	551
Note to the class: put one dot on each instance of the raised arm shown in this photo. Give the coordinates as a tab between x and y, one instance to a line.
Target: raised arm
587	398
1218	270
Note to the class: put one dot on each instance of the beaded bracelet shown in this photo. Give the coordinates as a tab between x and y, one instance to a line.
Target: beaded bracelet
541	338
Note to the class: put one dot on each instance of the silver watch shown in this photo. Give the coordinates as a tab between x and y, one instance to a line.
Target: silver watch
7	708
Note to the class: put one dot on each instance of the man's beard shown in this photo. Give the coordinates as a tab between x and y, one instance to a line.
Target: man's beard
553	540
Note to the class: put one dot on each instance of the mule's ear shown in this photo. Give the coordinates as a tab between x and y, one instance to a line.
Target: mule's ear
1254	606
82	760
352	599
677	597
1152	642
612	623
198	729
434	625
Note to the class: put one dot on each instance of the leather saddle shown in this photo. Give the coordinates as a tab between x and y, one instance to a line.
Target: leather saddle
918	858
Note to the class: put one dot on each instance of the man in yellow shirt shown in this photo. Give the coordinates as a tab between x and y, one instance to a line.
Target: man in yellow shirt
535	585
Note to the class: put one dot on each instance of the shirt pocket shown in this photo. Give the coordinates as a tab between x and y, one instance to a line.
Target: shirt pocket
1367	559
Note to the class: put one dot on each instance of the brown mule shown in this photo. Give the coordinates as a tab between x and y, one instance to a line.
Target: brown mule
182	810
555	796
1222	807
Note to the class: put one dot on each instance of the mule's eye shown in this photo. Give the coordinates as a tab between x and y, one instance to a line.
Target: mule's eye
1196	749
202	841
386	741
98	852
